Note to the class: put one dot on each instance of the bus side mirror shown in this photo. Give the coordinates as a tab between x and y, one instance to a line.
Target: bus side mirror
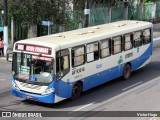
59	75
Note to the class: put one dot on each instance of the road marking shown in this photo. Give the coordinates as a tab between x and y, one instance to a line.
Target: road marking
148	87
83	107
155	39
132	86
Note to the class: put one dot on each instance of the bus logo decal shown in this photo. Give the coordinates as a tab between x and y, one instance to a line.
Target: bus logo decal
120	60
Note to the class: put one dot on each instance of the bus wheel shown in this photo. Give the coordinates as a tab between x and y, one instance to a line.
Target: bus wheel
76	91
127	71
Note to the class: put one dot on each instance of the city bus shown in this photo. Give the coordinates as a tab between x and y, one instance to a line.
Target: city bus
53	68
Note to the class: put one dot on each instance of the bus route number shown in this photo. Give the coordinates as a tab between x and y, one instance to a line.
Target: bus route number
27	56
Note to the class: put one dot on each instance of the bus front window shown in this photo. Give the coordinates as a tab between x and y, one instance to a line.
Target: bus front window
32	67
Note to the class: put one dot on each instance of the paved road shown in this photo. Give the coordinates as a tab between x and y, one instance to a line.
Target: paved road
139	93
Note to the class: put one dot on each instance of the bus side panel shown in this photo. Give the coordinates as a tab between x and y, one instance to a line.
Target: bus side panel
112	73
102	77
63	89
138	62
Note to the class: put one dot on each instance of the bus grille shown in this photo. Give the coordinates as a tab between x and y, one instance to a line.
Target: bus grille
31	86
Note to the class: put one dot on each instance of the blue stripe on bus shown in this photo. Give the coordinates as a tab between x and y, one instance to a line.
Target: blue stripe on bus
65	89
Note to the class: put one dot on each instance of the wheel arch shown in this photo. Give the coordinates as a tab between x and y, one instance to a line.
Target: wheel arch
79	82
127	71
129	64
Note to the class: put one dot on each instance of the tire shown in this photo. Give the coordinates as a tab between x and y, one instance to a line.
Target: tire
127	71
76	91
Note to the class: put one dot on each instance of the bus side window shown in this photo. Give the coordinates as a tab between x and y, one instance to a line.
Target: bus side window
137	37
146	36
62	63
105	48
78	56
92	52
128	40
117	45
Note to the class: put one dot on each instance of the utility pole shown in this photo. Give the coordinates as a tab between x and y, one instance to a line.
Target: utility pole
5	32
126	10
86	12
12	30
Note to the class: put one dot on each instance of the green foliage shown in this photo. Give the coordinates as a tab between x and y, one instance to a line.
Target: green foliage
146	1
34	11
105	2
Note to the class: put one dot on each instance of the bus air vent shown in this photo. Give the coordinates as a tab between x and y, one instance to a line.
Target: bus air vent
90	31
134	22
96	27
58	35
115	25
83	33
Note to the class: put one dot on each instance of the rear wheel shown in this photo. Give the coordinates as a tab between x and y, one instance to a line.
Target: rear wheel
76	91
127	71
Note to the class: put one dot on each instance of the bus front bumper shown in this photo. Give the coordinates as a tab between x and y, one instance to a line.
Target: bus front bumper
49	98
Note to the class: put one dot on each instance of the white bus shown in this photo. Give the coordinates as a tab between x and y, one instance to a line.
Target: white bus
52	68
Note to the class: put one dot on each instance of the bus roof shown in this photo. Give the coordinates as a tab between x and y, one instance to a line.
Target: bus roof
86	35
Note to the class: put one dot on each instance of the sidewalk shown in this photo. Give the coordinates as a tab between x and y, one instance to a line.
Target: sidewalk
2	58
156	31
9	50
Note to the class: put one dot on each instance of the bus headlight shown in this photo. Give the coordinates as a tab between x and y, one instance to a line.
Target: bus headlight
15	86
48	91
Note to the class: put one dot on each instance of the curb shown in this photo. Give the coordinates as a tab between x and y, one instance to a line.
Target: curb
2	58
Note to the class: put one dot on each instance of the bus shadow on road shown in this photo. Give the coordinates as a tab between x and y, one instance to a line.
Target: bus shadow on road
105	91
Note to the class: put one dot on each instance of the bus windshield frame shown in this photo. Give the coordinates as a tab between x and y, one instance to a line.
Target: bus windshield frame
31	68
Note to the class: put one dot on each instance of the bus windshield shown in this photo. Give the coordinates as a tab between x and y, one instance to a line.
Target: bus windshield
32	67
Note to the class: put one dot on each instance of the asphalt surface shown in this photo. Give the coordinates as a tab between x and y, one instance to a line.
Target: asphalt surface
139	93
156	30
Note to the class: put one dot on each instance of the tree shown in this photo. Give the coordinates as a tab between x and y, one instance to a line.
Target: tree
32	12
147	1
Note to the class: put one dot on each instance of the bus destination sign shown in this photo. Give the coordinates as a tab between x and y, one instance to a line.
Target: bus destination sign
33	48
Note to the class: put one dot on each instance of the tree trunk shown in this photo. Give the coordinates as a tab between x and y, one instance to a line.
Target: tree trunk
32	31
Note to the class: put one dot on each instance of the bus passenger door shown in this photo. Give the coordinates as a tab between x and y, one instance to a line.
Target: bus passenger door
62	70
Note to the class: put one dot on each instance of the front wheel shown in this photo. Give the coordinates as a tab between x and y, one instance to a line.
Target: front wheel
127	71
76	91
